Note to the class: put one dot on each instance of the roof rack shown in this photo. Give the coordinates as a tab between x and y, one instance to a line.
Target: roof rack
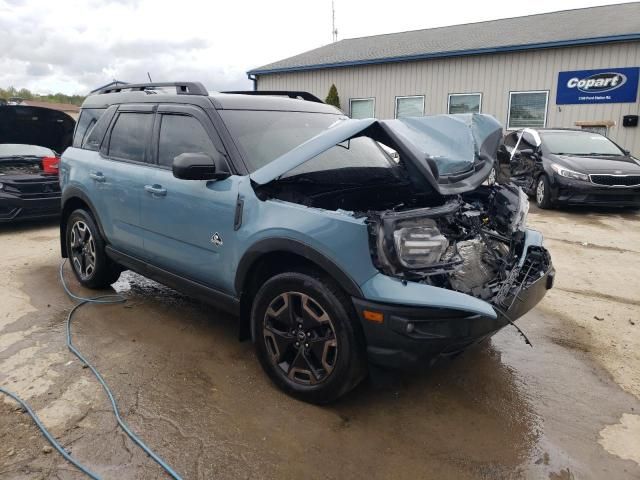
182	88
309	97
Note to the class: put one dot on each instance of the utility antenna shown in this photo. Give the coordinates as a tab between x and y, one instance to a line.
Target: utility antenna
334	30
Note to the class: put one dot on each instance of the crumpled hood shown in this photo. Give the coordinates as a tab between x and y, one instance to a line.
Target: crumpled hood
447	154
36	126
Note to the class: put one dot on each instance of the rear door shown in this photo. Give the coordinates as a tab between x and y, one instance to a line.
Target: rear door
121	174
189	223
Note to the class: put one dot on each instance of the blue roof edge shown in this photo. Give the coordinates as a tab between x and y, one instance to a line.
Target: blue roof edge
454	53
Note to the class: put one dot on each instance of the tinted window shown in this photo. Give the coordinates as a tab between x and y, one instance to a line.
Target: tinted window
263	136
86	122
181	134
130	135
360	152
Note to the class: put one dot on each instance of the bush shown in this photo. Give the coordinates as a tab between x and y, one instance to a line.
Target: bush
332	97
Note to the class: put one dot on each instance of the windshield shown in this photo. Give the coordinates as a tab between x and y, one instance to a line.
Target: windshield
263	136
579	143
19	150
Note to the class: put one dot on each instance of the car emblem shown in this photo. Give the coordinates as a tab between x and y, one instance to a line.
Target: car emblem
216	239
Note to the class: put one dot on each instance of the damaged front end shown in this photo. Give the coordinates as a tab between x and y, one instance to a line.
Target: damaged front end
474	244
455	262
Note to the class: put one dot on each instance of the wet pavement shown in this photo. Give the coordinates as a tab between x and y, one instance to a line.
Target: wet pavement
198	397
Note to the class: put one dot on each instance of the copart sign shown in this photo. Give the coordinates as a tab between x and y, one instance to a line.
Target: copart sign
606	85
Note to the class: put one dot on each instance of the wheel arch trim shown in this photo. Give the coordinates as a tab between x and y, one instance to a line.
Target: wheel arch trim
70	194
296	247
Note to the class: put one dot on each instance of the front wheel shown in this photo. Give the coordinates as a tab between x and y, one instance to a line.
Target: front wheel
86	252
543	192
306	336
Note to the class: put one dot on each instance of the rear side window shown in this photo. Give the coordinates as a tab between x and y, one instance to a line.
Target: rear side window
88	119
130	135
181	134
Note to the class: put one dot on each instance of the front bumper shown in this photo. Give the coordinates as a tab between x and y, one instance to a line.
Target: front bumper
575	192
13	208
416	335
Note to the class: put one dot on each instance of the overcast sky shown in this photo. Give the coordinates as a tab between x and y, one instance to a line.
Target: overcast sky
73	46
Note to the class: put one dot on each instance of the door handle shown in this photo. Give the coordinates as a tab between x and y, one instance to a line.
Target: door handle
97	176
156	189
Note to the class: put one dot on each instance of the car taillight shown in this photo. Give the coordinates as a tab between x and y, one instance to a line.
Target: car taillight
50	164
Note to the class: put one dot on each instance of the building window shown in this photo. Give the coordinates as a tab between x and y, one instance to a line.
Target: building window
464	103
412	106
527	109
362	107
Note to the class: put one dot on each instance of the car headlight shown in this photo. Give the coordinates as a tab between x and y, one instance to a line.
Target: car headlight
420	247
565	172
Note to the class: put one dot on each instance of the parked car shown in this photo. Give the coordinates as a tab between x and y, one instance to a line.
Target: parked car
564	166
30	138
289	214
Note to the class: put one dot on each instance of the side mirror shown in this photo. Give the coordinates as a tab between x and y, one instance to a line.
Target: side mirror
200	166
626	152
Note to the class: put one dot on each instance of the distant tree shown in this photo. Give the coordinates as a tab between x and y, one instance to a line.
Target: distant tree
26	94
332	97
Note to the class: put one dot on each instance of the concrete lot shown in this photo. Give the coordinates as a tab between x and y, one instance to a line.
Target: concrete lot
568	408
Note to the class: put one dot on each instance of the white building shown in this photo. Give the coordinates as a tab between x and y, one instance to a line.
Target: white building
574	68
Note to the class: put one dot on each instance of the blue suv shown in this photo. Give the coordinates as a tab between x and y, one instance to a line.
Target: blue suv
339	243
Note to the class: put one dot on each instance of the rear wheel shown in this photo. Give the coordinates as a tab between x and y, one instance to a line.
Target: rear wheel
306	336
86	252
543	192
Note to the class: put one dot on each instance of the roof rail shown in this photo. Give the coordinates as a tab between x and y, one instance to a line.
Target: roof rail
182	88
309	97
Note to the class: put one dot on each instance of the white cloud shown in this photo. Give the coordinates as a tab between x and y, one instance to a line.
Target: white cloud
74	46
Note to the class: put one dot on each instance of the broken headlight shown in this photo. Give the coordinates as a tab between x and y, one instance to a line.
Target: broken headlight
420	246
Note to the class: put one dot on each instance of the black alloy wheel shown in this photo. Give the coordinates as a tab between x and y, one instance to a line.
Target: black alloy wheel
300	338
307	336
86	252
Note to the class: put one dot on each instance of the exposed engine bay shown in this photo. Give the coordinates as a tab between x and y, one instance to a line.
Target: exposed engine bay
430	218
471	244
20	167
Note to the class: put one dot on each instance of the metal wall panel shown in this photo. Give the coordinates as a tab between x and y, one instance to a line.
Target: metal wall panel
492	75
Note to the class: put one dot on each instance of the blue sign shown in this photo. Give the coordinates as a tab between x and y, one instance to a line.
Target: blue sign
605	85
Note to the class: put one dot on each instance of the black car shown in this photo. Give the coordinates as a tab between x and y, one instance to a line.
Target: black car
30	139
570	167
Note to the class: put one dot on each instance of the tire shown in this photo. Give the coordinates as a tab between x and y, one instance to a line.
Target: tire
86	252
329	357
543	192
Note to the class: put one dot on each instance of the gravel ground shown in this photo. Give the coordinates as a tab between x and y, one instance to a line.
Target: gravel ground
568	408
